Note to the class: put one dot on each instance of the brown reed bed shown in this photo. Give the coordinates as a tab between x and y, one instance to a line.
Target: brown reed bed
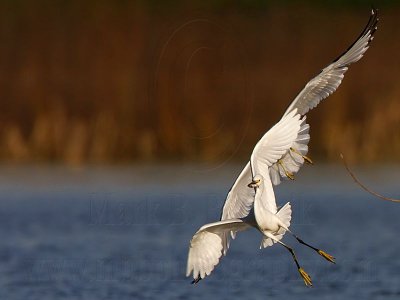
94	82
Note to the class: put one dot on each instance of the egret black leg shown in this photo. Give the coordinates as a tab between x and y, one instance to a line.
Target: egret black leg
325	255
303	274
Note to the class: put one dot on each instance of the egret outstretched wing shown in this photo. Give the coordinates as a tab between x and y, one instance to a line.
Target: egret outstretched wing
238	203
240	198
328	80
206	246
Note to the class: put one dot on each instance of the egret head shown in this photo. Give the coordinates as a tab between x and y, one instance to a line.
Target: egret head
257	180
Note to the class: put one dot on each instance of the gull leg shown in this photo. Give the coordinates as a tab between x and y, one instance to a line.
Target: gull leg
288	174
306	158
303	274
325	255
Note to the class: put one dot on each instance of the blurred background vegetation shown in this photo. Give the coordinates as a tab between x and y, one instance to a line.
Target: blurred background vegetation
178	81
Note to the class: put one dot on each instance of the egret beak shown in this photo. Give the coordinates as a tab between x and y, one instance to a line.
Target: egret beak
254	184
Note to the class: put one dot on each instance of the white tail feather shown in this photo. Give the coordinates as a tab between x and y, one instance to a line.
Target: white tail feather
285	215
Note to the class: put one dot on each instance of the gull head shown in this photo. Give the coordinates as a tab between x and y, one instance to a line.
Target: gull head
257	180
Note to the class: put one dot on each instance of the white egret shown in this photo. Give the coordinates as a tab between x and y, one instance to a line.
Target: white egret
279	154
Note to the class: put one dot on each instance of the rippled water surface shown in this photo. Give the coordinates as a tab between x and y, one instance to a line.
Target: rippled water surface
123	233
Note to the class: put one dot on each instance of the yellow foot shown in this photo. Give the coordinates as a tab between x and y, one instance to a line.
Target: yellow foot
327	256
306	158
306	277
288	174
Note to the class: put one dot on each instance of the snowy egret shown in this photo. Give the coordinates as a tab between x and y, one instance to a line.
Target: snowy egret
279	154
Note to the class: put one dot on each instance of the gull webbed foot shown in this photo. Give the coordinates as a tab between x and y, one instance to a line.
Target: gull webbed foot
287	173
306	158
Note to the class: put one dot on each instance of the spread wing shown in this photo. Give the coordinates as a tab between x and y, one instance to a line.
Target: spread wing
206	246
238	203
273	146
275	143
328	80
240	198
291	162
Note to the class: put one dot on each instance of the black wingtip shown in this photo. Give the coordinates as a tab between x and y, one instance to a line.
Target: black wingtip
195	281
375	19
370	28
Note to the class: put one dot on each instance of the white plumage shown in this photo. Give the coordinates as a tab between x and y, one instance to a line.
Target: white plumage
206	246
279	154
276	143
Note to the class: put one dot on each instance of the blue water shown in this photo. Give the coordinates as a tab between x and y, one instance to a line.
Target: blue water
123	233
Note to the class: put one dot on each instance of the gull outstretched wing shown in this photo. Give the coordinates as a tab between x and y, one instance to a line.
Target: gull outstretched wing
271	148
206	246
275	143
291	162
328	80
